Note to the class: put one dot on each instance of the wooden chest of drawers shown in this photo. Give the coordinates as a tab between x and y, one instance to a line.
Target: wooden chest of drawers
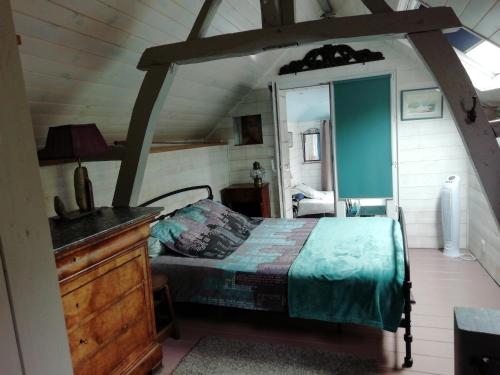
106	292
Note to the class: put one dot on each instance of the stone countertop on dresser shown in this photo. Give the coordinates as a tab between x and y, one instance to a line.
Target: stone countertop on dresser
69	234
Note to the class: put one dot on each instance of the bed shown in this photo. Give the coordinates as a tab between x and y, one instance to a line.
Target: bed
315	206
330	269
313	202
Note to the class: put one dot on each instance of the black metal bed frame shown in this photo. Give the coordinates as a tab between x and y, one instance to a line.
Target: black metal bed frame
405	321
166	195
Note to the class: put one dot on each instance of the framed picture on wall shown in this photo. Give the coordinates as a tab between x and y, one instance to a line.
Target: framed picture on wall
421	104
248	130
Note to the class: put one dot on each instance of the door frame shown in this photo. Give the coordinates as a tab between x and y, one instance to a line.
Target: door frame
329	76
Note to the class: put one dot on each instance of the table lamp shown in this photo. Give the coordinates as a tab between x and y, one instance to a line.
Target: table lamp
75	142
257	173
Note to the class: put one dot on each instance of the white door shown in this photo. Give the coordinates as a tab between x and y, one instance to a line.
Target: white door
282	152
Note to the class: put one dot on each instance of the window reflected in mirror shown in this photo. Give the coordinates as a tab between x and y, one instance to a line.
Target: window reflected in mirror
311	145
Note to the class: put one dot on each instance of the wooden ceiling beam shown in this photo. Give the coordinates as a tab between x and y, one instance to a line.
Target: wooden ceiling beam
343	29
478	136
150	100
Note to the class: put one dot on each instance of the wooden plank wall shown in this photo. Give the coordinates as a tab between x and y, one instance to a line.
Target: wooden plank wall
79	60
166	171
241	157
483	231
429	150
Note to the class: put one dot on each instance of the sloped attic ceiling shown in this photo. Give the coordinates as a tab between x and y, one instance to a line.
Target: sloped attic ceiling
79	60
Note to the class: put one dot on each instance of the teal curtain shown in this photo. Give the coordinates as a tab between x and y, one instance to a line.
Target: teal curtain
363	137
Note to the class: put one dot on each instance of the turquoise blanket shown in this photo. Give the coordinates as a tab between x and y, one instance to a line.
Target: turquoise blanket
350	271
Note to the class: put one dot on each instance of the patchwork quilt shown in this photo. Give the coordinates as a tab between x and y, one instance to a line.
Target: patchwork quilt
255	276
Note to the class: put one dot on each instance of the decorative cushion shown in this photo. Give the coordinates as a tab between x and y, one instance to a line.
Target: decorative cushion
194	239
207	211
155	247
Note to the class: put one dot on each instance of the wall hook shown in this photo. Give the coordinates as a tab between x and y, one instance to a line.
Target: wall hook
471	113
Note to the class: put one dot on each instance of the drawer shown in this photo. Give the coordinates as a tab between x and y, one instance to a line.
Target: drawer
133	339
102	291
242	195
96	332
72	262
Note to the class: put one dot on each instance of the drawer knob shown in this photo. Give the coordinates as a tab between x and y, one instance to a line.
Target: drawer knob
125	327
84	341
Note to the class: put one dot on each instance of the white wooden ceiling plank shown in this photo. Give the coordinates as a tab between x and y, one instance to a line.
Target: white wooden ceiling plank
75	73
69	87
213	78
457	5
190	104
247	10
66	55
66	18
27	25
117	18
496	37
490	23
172	11
58	109
47	95
219	25
307	10
190	87
238	70
147	13
234	16
475	11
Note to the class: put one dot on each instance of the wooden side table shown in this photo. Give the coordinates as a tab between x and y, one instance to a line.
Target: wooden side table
248	199
166	324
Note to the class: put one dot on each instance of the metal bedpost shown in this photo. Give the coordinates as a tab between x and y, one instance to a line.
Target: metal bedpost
406	322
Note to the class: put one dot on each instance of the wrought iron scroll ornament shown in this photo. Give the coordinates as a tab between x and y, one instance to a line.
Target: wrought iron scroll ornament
330	56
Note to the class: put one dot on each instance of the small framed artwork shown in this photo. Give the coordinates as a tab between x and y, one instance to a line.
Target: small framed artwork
290	139
249	130
421	104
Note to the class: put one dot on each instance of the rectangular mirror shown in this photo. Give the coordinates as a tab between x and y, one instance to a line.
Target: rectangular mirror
311	145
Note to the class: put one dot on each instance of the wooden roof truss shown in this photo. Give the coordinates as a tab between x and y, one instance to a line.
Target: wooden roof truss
422	27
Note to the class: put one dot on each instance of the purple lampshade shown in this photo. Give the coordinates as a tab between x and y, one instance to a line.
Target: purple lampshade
73	142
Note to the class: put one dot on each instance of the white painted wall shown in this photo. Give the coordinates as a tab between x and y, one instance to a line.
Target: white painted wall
165	172
305	173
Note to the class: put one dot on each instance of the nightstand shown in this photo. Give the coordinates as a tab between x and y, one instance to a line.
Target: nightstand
248	199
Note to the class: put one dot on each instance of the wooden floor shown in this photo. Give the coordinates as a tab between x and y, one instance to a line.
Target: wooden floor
439	284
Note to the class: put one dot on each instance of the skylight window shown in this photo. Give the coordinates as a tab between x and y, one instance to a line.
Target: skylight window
480	58
486	54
